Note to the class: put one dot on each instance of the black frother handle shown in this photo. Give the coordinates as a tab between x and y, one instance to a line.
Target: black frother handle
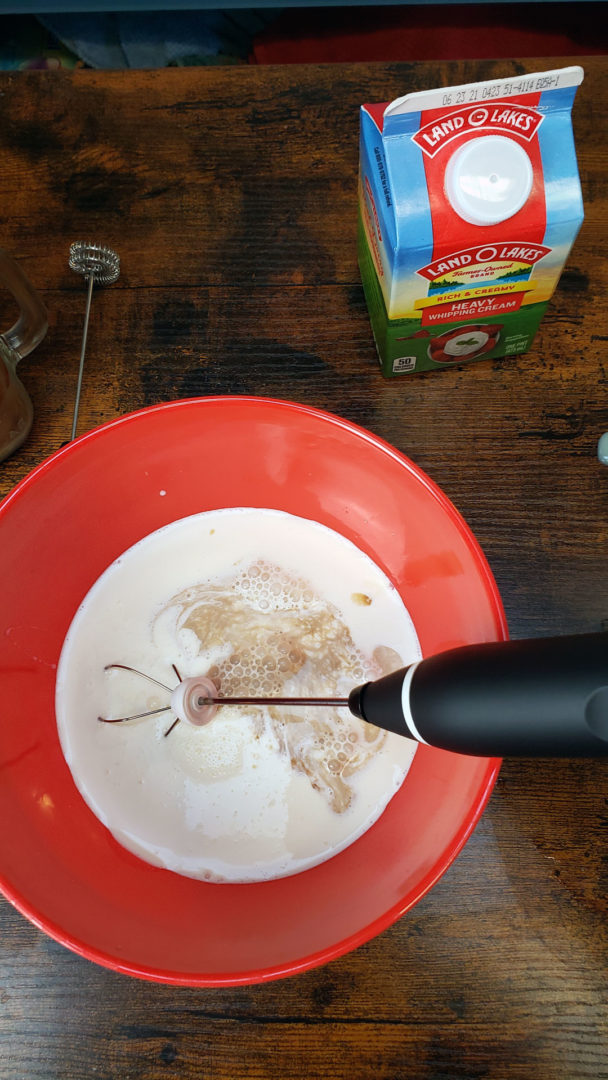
545	697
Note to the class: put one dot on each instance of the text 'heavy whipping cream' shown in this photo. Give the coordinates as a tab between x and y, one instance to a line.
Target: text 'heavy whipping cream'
266	604
469	201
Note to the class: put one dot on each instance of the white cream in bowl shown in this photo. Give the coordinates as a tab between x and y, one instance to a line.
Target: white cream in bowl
265	603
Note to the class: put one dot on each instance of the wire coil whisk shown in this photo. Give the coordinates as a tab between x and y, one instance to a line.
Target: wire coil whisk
100	266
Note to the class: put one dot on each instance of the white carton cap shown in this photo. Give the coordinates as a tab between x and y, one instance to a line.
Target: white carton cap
488	179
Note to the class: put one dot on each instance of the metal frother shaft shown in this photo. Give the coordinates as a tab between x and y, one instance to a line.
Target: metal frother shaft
545	697
101	266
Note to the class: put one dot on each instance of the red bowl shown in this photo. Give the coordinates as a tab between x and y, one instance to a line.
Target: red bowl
62	526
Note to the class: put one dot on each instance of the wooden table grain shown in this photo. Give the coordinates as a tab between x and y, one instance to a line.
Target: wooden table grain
230	195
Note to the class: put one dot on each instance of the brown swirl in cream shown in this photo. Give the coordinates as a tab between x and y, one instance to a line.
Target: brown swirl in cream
271	635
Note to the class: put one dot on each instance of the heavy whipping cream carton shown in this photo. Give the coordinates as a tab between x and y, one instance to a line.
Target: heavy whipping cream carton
469	201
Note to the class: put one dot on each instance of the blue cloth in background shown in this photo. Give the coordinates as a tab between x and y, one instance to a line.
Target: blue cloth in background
25	43
159	39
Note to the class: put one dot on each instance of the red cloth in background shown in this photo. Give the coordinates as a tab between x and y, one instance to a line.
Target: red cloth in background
429	32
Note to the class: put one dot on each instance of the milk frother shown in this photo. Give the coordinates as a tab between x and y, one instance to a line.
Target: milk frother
100	266
545	697
542	697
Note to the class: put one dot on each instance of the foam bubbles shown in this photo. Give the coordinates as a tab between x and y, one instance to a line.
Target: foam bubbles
276	637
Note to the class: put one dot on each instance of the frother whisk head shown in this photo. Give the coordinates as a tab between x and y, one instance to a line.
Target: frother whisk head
197	699
94	259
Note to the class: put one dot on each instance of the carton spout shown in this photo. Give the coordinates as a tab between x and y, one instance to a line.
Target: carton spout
488	179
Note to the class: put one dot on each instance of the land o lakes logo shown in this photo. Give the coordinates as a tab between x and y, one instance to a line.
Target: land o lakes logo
490	280
496	261
507	119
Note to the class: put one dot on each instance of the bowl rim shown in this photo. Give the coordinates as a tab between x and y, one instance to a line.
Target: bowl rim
443	862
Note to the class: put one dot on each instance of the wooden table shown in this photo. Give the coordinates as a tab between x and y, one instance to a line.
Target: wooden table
231	197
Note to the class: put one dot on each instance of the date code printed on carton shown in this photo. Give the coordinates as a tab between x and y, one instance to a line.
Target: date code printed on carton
404	363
